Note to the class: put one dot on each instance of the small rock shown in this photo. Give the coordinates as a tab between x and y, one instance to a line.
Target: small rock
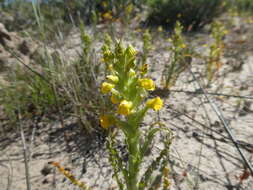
195	134
47	169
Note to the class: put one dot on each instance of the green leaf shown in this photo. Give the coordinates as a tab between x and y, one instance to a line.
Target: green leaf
148	140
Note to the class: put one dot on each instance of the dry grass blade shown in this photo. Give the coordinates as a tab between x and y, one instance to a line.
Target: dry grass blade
25	152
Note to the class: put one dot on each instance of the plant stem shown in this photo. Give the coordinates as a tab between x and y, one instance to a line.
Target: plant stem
133	167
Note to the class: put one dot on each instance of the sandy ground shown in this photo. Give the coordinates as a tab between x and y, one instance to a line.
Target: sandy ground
202	155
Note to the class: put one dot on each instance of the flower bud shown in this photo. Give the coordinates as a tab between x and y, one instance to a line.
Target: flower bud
132	73
105	121
130	51
114	99
106	87
113	78
119	50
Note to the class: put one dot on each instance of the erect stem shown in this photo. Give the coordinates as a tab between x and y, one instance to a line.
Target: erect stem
134	161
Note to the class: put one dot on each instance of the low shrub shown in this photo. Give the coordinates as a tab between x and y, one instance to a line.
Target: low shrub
245	6
192	14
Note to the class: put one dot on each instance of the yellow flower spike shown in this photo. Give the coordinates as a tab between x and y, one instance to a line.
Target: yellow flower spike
113	78
155	103
131	51
125	107
147	83
114	99
106	87
105	121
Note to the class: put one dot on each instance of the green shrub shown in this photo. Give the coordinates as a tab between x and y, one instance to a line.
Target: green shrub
102	9
243	5
27	93
86	8
192	14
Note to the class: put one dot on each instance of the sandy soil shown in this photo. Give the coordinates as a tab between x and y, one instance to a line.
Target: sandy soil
202	155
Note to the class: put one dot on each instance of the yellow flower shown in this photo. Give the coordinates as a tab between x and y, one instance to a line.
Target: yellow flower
125	107
107	15
106	87
113	78
147	83
105	121
114	99
155	103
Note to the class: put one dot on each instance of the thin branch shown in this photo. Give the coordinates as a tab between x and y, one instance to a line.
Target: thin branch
28	67
166	92
213	93
223	121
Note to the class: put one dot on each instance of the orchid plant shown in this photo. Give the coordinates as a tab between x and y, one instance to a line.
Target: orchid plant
127	86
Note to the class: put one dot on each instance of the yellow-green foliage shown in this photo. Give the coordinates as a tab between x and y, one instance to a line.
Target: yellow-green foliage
147	46
216	50
243	5
180	58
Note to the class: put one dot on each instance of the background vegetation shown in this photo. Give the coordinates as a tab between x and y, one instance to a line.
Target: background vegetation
71	87
59	16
